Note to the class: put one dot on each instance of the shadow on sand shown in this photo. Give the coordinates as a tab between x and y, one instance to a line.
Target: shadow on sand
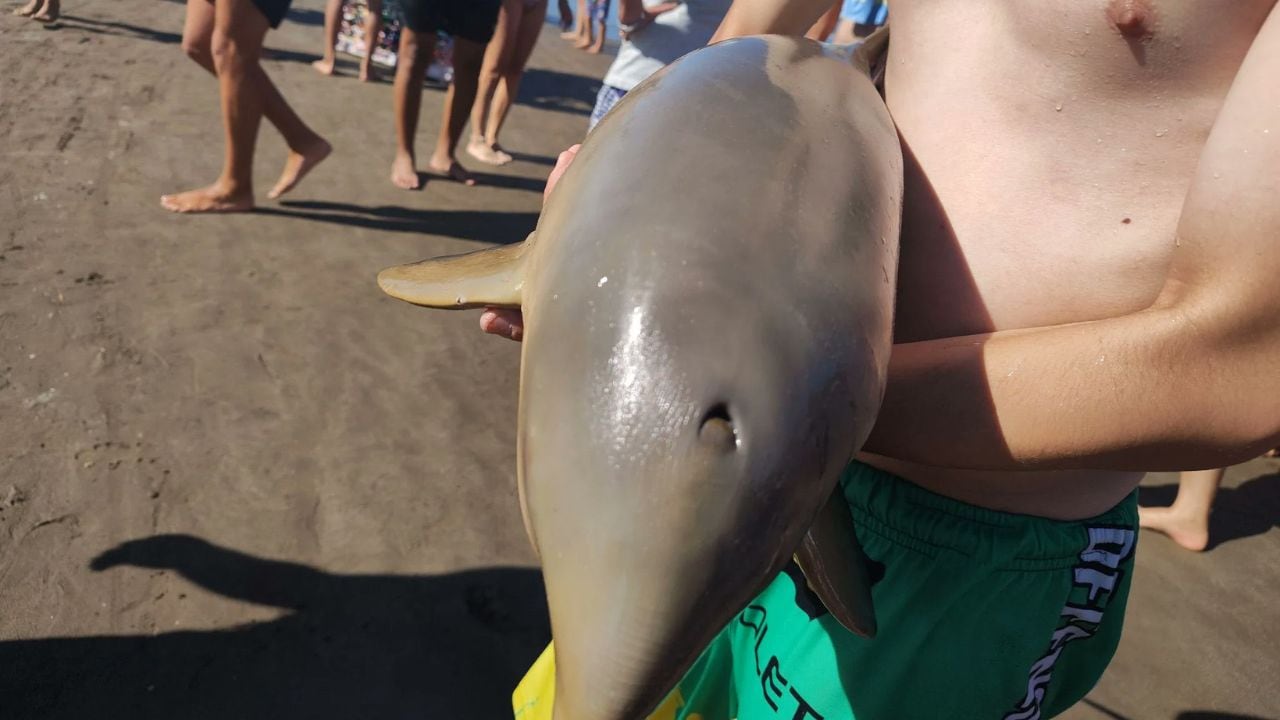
137	32
1184	715
347	646
479	225
1251	509
554	90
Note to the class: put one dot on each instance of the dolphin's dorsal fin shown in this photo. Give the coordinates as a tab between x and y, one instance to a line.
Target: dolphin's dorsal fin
477	279
836	567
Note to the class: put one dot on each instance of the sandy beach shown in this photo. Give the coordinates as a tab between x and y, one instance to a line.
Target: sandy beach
237	481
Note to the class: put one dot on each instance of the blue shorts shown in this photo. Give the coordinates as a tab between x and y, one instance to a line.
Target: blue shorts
865	12
605	100
599	10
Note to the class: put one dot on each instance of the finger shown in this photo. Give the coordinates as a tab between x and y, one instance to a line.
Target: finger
505	323
562	164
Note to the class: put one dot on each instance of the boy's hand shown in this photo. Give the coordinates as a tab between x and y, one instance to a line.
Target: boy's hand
504	321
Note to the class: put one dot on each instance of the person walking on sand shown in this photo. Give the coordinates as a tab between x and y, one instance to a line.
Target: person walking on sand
519	23
45	11
225	37
1186	521
583	17
471	24
654	36
599	16
372	28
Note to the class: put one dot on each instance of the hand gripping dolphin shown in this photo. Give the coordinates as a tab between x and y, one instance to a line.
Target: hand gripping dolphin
708	306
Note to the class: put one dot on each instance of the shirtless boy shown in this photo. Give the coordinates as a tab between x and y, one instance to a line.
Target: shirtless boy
1087	290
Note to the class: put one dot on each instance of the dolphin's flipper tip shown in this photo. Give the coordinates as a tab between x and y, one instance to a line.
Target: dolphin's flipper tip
837	569
492	277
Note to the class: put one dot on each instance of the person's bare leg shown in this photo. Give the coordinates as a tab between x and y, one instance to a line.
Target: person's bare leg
597	45
498	55
526	38
372	28
29	9
579	27
238	31
332	19
1186	521
411	72
306	148
49	12
467	59
586	37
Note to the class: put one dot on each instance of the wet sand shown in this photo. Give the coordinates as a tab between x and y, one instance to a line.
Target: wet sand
236	481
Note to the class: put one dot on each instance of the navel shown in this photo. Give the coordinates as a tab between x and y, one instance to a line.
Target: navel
1135	19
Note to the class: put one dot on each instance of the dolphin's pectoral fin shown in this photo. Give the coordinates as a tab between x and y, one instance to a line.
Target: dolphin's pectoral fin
486	277
836	567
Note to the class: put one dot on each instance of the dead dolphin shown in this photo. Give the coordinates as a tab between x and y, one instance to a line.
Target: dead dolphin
708	303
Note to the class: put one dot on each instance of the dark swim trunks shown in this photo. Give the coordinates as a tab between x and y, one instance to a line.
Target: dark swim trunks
275	10
472	20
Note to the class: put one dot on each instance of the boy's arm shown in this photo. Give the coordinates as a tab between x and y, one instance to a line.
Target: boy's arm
770	17
1192	382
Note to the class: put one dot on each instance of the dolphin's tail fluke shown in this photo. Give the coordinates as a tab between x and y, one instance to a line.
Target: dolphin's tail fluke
492	277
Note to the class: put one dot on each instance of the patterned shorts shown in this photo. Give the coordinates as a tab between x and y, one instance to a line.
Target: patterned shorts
605	100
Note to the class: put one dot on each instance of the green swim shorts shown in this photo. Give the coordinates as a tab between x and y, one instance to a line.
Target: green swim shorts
982	614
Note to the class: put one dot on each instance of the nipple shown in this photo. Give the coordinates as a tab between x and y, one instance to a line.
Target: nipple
1135	19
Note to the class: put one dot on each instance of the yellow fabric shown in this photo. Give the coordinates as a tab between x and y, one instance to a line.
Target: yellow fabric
536	693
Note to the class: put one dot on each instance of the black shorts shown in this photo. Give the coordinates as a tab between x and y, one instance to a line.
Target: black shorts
472	20
275	10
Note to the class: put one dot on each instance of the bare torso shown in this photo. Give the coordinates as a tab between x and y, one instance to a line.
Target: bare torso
1049	147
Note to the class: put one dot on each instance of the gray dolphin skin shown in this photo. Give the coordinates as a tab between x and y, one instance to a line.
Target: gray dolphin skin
708	305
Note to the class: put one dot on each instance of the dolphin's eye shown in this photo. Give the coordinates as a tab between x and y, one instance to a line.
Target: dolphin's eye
717	427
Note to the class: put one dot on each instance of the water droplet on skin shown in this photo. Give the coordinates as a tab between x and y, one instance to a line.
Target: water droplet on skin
1162	133
1216	176
1057	108
603	280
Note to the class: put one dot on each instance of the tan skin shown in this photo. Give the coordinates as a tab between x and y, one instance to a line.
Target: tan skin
45	11
372	27
411	70
225	37
1087	287
504	61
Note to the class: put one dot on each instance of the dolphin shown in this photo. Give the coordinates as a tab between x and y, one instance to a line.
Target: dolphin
707	302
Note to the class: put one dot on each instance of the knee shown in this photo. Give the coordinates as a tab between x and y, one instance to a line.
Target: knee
198	50
226	54
416	54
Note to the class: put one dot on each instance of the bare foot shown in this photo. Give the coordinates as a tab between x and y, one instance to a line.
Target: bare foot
582	44
50	13
298	164
215	198
404	172
503	155
367	72
570	35
482	151
1190	532
451	170
28	10
324	66
596	48
1273	452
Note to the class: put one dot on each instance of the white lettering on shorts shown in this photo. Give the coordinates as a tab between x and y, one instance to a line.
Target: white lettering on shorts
1097	573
